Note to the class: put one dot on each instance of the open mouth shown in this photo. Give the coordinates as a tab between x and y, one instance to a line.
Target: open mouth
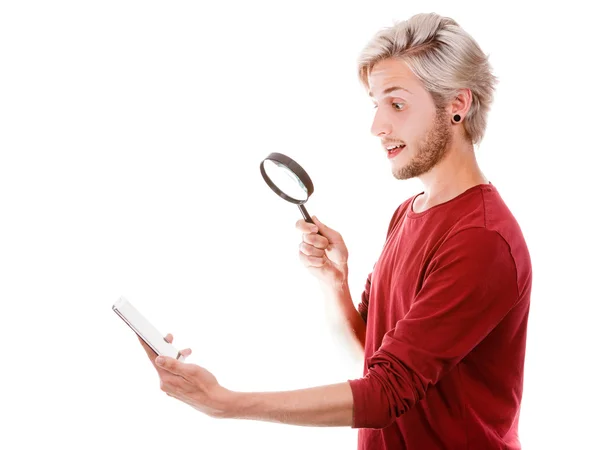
393	150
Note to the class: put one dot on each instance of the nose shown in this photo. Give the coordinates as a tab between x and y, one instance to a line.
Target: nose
381	126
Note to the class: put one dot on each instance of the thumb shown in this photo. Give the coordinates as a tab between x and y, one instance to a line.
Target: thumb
171	365
325	230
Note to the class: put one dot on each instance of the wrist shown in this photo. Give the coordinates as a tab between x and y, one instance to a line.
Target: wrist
342	279
337	281
334	286
226	403
241	405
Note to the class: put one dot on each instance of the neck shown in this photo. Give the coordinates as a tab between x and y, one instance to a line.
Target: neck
456	173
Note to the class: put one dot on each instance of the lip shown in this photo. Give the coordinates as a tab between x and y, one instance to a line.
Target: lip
394	153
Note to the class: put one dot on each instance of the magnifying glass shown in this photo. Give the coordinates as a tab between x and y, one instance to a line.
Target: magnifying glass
288	180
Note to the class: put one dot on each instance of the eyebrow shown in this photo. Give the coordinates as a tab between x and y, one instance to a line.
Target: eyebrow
391	89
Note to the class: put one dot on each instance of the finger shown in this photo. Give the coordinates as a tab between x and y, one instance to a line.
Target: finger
306	227
152	355
166	386
171	383
310	250
319	223
172	365
311	261
325	230
186	352
316	240
169	338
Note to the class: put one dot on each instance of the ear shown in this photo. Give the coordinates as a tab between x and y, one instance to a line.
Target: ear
461	103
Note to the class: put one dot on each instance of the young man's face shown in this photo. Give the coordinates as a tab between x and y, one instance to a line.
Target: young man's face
406	115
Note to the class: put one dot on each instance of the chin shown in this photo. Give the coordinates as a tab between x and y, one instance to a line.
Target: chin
401	169
402	175
407	170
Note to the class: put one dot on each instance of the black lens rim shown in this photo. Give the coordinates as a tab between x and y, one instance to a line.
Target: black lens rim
294	167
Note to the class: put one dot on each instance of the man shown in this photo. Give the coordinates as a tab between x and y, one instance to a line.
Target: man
443	316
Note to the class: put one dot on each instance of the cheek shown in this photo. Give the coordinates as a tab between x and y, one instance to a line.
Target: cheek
407	125
387	114
400	119
415	131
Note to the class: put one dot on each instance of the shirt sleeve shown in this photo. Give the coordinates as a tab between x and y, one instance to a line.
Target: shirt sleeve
469	286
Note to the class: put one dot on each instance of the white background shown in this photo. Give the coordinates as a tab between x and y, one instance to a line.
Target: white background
131	135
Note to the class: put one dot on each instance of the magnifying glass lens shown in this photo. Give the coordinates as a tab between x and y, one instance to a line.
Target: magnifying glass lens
286	180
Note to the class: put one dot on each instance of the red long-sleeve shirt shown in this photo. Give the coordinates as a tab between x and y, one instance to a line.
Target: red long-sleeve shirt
446	309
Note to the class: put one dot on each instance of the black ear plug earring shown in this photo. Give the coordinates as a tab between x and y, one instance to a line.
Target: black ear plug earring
456	118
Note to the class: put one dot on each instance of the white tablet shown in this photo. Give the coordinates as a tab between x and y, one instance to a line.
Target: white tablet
145	329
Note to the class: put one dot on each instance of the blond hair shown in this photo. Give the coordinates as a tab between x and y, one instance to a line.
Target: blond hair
444	57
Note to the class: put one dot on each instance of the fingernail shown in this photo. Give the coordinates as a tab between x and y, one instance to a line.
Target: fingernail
160	360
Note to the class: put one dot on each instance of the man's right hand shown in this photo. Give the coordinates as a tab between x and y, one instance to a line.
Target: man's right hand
324	255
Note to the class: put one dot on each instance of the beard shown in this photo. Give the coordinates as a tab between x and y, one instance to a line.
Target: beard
430	151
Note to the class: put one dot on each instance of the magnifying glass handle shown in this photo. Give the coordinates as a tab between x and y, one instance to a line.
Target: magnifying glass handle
305	214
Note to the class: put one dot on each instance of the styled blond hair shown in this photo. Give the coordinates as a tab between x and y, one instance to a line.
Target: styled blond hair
444	57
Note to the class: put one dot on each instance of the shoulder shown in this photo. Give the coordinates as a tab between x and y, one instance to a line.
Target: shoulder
491	233
487	210
475	258
478	243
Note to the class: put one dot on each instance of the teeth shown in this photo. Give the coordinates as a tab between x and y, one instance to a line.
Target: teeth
394	147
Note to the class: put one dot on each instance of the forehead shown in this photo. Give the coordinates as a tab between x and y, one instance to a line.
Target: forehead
390	73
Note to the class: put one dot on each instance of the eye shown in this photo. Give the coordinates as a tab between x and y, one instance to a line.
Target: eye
398	106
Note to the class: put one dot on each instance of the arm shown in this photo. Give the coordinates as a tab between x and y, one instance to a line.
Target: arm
339	294
355	318
325	254
323	406
469	286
